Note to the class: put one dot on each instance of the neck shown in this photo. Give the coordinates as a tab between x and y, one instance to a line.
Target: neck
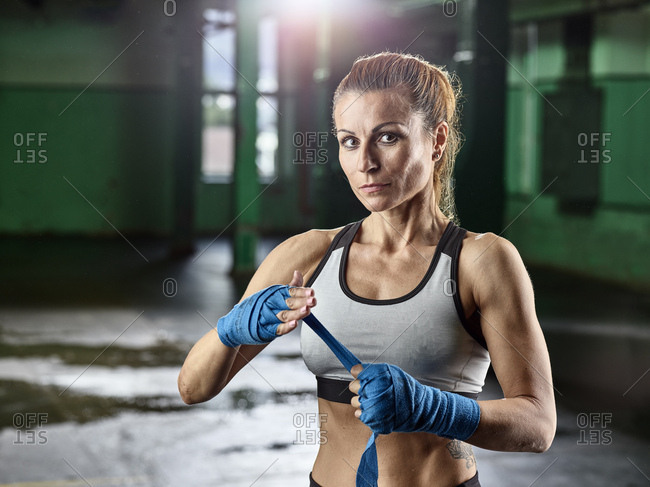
417	222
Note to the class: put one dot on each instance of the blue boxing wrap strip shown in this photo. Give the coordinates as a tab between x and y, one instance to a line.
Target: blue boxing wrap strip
392	400
368	470
344	355
253	321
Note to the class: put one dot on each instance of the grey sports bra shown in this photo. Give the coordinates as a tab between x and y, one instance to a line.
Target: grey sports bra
423	332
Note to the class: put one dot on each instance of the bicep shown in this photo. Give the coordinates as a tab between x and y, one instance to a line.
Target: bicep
506	306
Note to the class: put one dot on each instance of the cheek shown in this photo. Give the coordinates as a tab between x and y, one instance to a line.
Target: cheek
345	162
416	174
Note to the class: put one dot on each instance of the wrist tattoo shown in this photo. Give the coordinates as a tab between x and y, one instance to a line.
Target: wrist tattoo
461	451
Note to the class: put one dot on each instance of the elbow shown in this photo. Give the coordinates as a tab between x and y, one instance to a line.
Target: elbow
188	396
191	391
544	436
542	443
543	424
188	391
547	439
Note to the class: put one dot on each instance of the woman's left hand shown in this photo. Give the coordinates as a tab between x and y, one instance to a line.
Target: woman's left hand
374	386
354	388
389	399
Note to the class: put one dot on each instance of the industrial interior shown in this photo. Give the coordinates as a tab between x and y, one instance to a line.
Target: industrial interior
154	152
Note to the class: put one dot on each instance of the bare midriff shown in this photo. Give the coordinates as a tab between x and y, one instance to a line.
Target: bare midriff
405	459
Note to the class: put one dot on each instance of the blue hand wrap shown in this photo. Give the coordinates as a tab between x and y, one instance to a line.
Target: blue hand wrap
392	400
253	321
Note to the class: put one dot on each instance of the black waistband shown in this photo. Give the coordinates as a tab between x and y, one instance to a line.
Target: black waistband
473	482
336	390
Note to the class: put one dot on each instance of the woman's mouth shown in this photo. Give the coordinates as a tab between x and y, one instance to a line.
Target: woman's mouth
373	187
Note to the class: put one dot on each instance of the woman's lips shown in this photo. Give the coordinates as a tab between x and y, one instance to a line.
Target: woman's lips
373	187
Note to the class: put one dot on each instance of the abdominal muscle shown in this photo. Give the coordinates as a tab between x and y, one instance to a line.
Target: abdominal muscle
404	459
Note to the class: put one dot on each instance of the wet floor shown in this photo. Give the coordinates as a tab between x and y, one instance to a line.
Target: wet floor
92	337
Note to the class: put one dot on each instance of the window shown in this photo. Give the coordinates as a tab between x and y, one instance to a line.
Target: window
219	99
218	135
267	104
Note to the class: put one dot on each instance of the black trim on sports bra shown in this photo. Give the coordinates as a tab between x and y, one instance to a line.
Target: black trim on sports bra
336	243
432	267
473	328
336	390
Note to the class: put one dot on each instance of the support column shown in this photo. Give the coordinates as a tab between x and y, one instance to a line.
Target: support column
246	188
188	126
480	169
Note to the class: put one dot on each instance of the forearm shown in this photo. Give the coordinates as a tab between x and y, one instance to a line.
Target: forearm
206	368
391	400
521	424
253	323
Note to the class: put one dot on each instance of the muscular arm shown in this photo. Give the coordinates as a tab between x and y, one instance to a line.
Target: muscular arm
210	364
525	419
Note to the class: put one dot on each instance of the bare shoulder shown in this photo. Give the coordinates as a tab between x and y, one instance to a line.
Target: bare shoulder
304	251
494	263
301	252
483	250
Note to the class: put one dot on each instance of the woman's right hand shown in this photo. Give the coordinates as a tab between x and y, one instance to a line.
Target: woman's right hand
300	303
210	364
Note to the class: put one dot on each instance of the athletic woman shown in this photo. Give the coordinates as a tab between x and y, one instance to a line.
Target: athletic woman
423	303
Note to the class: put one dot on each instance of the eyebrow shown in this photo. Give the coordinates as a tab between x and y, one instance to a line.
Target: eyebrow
378	127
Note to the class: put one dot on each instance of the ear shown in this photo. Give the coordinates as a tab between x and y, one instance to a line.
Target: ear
439	140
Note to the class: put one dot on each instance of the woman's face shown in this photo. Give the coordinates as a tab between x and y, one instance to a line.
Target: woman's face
383	148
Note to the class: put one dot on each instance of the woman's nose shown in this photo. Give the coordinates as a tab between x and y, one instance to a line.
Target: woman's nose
367	160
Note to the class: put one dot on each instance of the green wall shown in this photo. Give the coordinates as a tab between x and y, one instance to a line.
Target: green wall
112	146
611	241
115	142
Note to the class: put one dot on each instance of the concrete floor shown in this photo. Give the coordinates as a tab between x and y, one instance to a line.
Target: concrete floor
92	338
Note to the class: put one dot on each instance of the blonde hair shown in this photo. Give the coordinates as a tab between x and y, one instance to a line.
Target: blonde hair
433	92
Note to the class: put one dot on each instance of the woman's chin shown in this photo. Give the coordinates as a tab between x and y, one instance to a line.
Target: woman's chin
374	204
378	206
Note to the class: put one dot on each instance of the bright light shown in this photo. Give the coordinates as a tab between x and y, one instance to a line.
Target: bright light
297	10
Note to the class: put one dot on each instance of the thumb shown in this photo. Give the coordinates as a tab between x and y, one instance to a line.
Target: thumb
356	370
297	279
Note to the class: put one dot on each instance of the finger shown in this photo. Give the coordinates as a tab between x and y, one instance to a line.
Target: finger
355	402
287	315
354	386
357	413
301	292
285	328
299	302
297	279
356	370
